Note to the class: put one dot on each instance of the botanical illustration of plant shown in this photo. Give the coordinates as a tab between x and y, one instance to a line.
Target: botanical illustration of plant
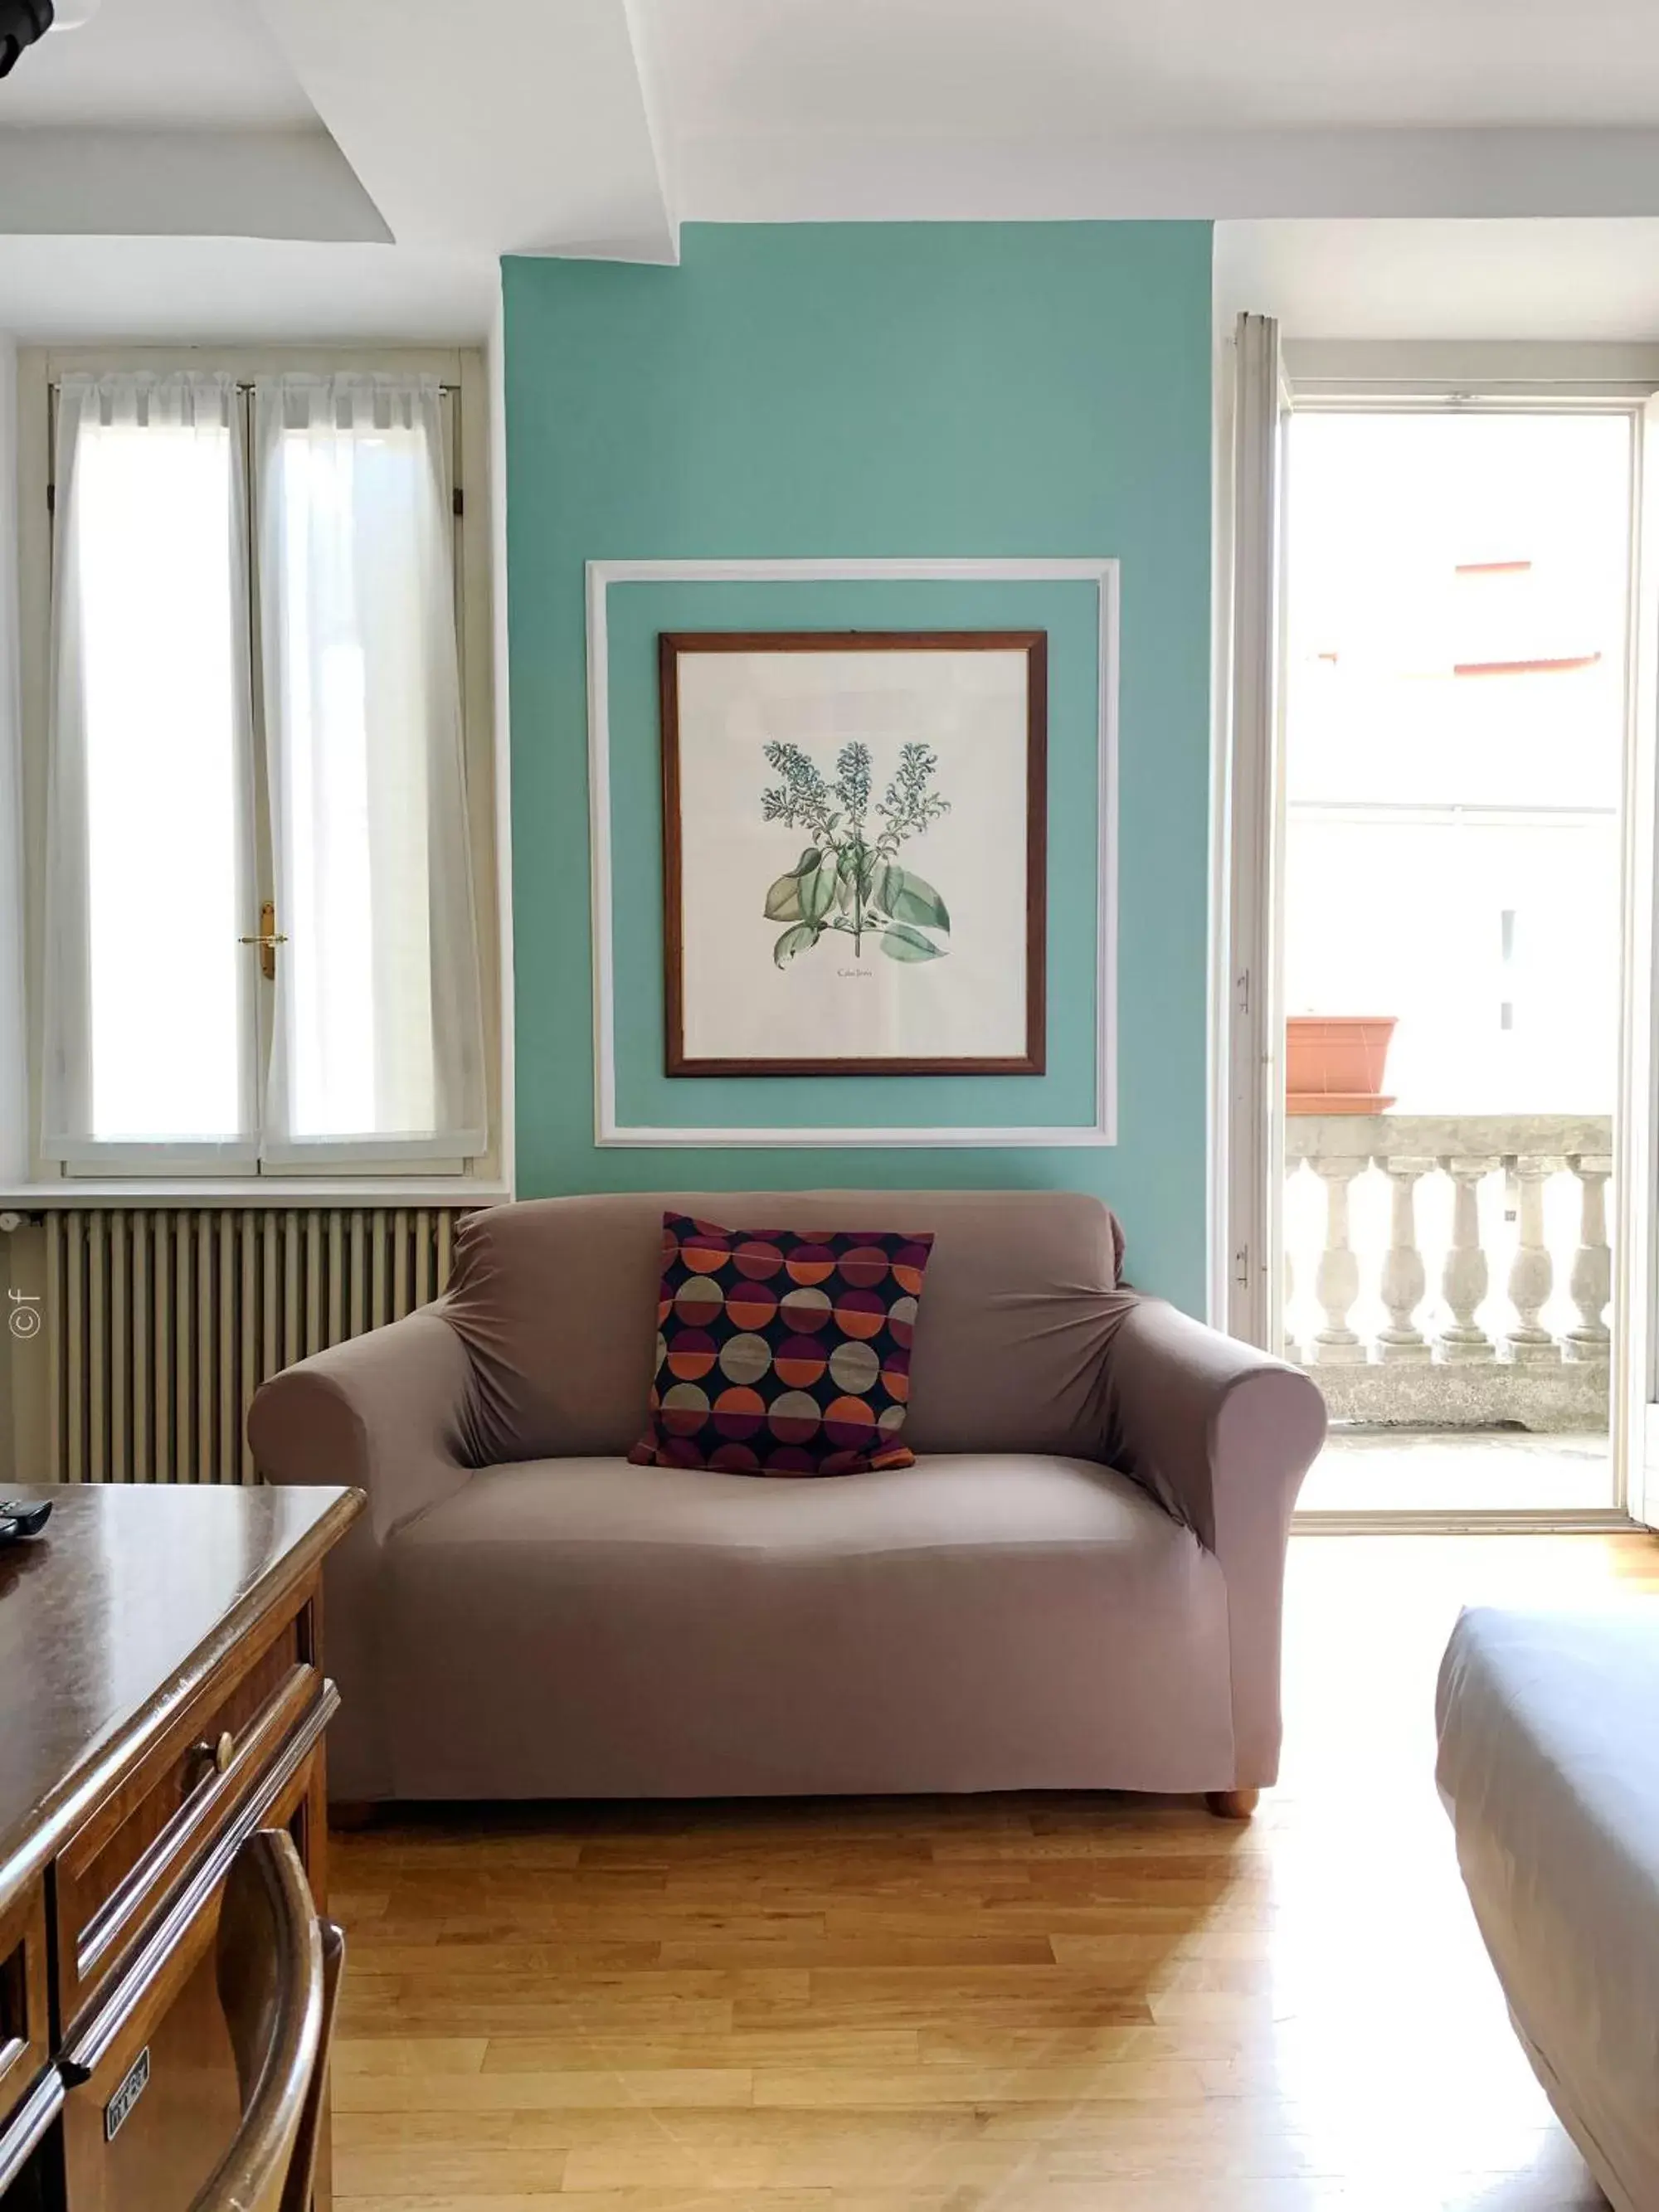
849	879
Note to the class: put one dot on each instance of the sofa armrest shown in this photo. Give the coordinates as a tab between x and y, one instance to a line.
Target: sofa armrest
390	1413
1222	1435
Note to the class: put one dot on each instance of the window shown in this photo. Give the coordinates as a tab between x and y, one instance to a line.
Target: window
1457	590
260	942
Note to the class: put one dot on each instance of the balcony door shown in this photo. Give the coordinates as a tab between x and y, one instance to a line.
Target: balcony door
1452	844
1635	1386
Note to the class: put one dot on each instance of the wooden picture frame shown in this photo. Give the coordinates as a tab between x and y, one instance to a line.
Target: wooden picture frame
996	759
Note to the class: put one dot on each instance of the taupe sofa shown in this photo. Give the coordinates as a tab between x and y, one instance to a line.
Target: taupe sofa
1078	1585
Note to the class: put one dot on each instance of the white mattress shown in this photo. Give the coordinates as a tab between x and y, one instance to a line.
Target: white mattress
1549	1765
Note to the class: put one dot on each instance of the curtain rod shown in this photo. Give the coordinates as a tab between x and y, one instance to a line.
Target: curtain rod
246	383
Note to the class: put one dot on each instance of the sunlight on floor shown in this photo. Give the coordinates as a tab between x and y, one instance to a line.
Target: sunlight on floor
1050	2003
1449	1470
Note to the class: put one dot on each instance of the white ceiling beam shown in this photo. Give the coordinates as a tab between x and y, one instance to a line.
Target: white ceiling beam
201	184
801	177
522	127
1580	280
223	291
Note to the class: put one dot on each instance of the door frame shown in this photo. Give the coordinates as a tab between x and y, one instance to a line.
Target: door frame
1247	1176
1636	1128
1246	1114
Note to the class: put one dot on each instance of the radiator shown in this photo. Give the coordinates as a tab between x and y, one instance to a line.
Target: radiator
162	1325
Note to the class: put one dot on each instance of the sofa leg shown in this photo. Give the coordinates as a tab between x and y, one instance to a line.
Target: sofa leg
349	1814
1232	1804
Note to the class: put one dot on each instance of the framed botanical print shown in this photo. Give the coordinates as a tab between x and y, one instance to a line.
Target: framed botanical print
854	851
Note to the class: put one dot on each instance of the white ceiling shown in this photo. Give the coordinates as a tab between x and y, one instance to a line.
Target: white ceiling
530	135
158	64
274	153
861	68
152	290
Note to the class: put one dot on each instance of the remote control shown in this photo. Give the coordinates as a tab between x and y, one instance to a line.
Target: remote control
20	1519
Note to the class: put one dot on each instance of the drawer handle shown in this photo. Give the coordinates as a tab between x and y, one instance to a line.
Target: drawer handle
29	2126
152	1957
212	1757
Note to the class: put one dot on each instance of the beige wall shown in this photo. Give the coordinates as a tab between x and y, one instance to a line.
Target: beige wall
23	1361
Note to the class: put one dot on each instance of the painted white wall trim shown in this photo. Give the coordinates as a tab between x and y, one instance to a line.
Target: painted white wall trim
608	1130
1247	1139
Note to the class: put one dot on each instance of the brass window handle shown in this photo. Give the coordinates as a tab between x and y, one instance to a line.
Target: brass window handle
268	939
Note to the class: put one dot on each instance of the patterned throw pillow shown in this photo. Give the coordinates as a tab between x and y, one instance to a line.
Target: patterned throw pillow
782	1353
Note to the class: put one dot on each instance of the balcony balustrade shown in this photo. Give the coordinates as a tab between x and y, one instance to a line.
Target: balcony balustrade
1515	1330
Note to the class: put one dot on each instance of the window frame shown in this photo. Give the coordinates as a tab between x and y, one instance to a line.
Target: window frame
1412	376
338	1173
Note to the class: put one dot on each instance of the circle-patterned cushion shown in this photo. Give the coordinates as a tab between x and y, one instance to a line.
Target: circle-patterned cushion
780	1352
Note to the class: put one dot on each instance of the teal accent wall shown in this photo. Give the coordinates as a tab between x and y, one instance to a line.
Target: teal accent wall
877	391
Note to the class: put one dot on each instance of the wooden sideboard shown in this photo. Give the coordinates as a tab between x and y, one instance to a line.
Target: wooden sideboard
161	1698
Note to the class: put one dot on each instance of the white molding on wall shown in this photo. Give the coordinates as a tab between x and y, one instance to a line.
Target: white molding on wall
608	1131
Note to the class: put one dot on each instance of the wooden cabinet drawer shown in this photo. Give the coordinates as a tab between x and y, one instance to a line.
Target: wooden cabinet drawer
130	1854
186	2106
25	2035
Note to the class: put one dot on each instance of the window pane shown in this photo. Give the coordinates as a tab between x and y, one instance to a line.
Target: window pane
355	760
151	551
378	1041
1454	729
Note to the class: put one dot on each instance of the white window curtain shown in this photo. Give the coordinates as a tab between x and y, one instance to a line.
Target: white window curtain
148	1039
378	1043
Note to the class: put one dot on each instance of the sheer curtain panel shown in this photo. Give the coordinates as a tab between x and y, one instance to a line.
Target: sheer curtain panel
149	1035
378	1043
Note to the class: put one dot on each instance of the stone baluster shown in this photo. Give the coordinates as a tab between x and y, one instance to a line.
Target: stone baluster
1532	1271
1405	1279
1292	1347
1463	1280
1591	1279
1336	1279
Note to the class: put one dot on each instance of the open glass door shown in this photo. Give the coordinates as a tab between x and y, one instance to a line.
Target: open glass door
1438	808
1247	1300
1635	1355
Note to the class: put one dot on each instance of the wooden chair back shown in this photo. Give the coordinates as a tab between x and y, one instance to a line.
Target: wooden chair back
273	1989
302	2166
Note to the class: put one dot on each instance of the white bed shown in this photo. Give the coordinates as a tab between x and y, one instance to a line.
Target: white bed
1549	1765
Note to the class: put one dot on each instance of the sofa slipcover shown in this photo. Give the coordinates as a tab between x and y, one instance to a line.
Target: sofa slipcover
1549	1765
1078	1585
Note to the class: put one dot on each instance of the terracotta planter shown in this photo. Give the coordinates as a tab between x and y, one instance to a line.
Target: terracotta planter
1333	1063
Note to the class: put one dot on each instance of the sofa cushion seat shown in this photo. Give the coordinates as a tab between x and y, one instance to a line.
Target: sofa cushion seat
1549	1765
971	1621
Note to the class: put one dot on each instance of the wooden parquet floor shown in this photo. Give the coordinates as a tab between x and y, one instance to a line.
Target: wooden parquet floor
1034	2004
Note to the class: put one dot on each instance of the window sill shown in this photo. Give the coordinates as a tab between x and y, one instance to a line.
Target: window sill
389	1191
